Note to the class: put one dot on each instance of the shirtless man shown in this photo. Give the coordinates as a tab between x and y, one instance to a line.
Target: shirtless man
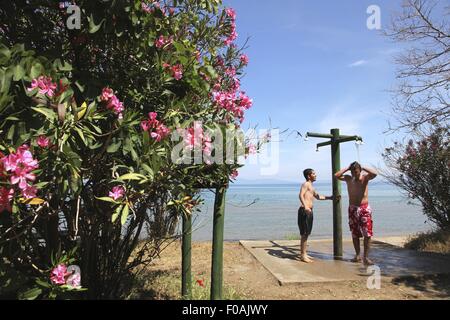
359	211
305	212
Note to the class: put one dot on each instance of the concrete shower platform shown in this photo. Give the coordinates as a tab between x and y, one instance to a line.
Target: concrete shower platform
281	259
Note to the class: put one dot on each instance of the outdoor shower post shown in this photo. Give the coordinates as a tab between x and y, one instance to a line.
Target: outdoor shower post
335	140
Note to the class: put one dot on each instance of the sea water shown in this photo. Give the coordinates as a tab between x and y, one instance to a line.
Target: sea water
270	212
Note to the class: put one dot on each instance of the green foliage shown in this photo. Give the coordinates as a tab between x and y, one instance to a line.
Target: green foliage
92	149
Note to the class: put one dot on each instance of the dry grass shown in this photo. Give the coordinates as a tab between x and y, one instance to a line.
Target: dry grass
434	241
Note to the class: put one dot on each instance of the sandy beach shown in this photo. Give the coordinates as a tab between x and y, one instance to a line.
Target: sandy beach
246	278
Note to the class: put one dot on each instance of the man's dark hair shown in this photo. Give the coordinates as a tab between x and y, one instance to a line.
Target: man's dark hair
355	165
307	172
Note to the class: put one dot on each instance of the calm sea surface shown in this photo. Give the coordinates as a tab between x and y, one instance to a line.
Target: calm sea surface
270	212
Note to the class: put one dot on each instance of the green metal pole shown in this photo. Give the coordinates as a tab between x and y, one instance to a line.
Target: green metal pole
186	246
337	209
217	249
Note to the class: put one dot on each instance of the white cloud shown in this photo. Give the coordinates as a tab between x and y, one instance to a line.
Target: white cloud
358	63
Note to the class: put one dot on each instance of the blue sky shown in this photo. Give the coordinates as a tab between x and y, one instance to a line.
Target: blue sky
314	65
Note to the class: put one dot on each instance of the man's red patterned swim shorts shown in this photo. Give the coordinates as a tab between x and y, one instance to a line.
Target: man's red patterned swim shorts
360	220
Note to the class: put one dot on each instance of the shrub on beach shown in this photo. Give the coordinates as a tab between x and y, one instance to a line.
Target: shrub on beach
421	168
85	121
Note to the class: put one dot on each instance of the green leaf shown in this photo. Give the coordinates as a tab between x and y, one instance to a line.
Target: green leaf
147	168
132	176
48	113
41	185
99	131
10	134
82	110
62	67
125	212
113	147
107	199
146	140
11	118
30	294
4	52
36	70
79	86
19	72
116	213
93	28
80	133
134	155
5	81
43	283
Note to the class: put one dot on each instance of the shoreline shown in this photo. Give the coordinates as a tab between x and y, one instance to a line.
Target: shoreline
397	240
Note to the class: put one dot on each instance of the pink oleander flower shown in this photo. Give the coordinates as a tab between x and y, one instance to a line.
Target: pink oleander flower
161	132
116	106
2	167
234	174
117	192
230	71
177	71
113	103
231	13
195	138
236	85
163	41
224	100
107	94
6	196
245	102
244	59
58	274
207	145
45	85
146	7
145	125
21	177
20	164
158	130
74	280
43	141
29	192
233	36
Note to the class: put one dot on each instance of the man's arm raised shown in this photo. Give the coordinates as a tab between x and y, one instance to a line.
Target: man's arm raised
340	174
371	173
